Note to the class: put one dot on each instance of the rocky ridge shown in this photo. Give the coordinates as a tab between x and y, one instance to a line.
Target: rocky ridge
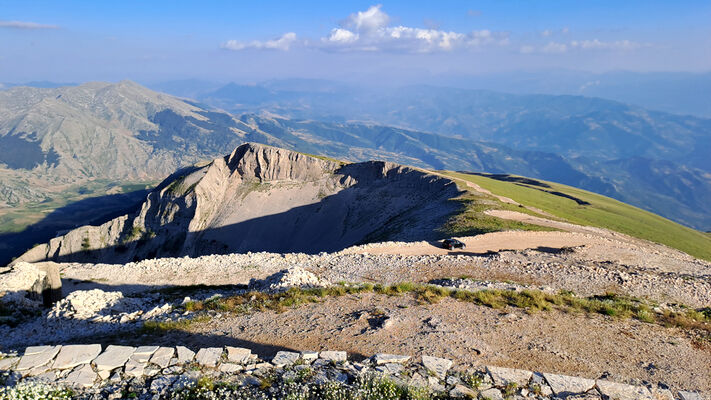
265	198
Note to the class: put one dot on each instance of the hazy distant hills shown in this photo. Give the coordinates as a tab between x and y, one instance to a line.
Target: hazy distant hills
125	132
662	156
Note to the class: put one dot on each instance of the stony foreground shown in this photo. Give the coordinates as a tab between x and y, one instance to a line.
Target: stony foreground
153	372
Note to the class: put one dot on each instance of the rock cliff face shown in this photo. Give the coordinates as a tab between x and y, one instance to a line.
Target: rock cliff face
262	198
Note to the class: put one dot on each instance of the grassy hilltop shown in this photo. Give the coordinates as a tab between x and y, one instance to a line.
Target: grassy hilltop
594	210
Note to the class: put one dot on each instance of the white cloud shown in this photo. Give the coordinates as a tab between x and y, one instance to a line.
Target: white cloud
370	31
25	25
282	43
553	47
582	45
368	21
339	35
546	33
596	44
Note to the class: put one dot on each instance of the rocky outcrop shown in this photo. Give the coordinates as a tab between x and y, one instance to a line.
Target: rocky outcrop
31	285
263	198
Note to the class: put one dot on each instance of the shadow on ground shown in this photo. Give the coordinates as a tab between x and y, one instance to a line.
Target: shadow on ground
90	211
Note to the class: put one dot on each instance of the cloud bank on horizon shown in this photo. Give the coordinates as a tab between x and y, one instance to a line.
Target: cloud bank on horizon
352	40
371	31
25	25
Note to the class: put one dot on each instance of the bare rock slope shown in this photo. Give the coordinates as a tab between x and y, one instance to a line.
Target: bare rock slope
262	198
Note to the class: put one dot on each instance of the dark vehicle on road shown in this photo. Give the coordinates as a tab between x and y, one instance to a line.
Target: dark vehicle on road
453	244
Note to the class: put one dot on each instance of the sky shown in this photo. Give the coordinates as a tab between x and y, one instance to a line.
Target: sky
250	41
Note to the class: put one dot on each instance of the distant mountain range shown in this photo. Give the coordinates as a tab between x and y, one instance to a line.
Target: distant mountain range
51	138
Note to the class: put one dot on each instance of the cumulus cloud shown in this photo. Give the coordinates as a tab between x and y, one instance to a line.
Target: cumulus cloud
368	21
282	43
25	25
370	30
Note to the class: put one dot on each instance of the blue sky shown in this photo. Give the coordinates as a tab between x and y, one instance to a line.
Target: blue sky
349	40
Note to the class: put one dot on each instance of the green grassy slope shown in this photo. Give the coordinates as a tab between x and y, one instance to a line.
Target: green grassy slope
601	211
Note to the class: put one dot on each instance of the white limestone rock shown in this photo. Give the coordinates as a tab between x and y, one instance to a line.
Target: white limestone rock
437	365
238	355
208	357
162	356
37	356
185	355
335	356
567	385
71	356
620	391
113	357
504	376
383	358
83	377
284	358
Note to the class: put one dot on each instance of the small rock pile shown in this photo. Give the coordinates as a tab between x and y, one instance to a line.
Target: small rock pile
294	276
153	372
85	304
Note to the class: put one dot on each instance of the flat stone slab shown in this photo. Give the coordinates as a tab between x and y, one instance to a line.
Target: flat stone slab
37	349
185	355
504	376
336	356
162	356
144	353
684	395
37	358
439	366
134	369
461	391
238	355
113	357
208	357
73	355
230	368
309	355
8	362
283	358
492	394
620	391
83	377
563	385
383	358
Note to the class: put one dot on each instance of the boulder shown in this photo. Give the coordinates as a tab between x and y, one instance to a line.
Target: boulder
563	385
335	356
31	285
283	358
620	391
439	366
